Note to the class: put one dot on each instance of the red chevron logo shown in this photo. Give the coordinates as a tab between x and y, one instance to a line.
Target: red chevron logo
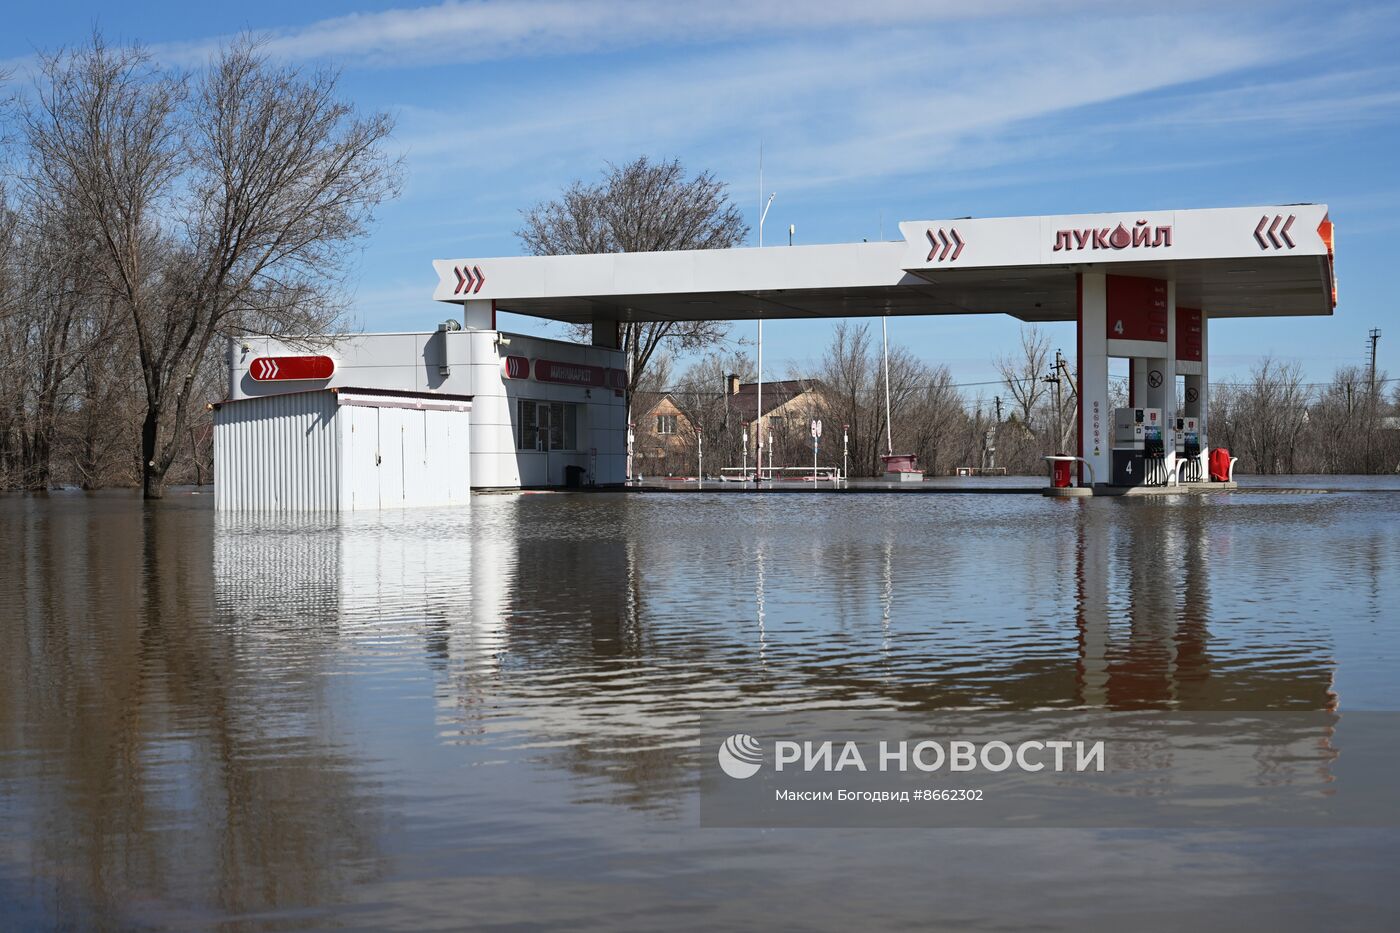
469	280
1273	232
942	242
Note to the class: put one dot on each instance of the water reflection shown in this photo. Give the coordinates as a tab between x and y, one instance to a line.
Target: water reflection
249	715
1144	613
606	622
161	748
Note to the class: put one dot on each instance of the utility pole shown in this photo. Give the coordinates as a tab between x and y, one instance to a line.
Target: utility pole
1054	377
1061	375
989	441
1374	338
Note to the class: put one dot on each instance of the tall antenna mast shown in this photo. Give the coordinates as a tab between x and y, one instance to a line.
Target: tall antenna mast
758	410
762	216
885	341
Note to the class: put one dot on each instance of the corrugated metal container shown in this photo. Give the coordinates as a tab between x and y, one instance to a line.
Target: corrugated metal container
341	449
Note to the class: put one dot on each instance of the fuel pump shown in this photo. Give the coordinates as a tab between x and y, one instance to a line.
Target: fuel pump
1154	448
1188	447
1138	451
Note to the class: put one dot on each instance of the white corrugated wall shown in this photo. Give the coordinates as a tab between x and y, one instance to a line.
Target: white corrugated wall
309	452
277	453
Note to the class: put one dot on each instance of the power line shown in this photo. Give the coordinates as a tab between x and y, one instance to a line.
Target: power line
1123	380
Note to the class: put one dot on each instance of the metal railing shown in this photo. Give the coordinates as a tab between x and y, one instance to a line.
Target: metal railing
769	474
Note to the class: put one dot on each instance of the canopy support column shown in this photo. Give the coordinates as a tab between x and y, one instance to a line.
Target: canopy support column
1094	416
607	334
479	314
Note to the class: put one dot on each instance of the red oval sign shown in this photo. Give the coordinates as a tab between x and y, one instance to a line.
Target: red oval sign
279	368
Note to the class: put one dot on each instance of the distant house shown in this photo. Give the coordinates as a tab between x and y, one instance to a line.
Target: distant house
789	405
665	433
664	437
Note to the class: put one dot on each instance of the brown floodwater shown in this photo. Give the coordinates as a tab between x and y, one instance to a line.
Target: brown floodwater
487	717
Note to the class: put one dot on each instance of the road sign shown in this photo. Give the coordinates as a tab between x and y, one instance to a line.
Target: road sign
283	368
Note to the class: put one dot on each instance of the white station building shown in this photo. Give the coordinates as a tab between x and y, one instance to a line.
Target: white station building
475	408
371	421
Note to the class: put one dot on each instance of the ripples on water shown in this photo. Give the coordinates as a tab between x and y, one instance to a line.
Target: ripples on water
487	715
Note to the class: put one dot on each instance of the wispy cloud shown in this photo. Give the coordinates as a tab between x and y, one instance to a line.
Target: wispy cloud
478	30
869	106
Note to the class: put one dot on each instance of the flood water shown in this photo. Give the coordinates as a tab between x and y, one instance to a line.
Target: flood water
486	718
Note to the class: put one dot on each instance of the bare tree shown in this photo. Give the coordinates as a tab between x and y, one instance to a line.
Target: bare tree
1271	413
850	373
931	422
101	437
702	392
103	136
1336	419
928	416
1221	422
640	207
10	405
1024	373
52	327
219	202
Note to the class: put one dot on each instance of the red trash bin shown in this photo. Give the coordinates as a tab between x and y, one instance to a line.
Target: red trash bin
1060	476
1219	464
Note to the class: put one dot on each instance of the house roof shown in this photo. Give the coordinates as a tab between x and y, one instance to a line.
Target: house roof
646	403
775	395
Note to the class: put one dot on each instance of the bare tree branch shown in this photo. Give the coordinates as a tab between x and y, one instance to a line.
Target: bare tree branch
643	206
220	202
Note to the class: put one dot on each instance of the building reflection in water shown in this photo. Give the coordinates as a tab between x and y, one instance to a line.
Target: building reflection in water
600	633
619	633
1133	633
1145	634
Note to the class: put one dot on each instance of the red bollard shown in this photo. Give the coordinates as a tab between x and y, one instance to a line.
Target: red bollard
1060	476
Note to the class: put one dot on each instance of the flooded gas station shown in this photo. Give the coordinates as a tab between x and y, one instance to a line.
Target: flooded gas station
373	421
388	675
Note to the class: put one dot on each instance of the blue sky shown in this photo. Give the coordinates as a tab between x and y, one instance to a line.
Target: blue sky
869	113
